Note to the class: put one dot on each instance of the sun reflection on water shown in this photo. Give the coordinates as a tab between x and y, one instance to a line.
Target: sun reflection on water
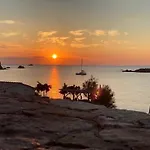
55	82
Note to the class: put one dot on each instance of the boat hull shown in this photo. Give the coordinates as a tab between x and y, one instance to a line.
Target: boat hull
80	74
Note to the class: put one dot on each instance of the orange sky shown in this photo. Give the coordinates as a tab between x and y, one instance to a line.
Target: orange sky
111	33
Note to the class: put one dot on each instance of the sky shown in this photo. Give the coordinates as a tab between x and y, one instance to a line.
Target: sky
102	32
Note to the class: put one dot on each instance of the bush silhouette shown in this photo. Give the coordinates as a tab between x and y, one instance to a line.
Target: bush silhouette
91	86
99	95
105	97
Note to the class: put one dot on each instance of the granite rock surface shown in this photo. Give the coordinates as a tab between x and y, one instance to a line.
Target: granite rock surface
35	123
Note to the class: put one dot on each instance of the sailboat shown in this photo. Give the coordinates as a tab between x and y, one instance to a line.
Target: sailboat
82	72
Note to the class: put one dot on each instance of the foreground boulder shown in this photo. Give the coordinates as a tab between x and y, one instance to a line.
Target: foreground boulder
16	88
40	124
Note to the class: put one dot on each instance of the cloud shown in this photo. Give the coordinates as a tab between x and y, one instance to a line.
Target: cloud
113	33
6	45
7	22
126	33
119	42
46	34
104	42
9	34
77	32
59	40
75	44
132	48
79	39
99	33
78	45
25	36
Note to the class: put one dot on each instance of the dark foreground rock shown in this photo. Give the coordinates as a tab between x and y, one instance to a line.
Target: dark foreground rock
34	123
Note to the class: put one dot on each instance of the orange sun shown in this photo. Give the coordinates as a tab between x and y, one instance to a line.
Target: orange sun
54	56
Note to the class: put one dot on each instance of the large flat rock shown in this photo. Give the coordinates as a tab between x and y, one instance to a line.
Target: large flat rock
35	123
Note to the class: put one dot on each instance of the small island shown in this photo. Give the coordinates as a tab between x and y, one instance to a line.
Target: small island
141	70
21	67
30	65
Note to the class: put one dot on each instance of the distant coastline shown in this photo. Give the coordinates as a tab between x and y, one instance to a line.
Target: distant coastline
141	70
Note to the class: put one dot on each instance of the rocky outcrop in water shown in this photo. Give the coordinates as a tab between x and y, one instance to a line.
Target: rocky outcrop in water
141	70
21	67
34	123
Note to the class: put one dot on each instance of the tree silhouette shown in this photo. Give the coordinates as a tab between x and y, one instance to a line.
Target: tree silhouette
70	91
91	86
102	95
42	89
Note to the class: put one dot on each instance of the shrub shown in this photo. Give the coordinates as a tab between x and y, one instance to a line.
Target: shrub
91	86
105	97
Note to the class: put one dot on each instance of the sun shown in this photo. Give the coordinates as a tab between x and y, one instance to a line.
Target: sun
54	56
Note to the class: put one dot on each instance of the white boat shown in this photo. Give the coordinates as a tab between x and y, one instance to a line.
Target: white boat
82	72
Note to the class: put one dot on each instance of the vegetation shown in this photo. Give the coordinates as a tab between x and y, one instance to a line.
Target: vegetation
42	89
91	86
70	91
105	97
101	95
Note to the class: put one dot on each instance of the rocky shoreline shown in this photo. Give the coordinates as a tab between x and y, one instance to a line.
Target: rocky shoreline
34	123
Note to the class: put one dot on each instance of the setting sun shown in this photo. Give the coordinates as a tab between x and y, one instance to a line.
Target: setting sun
54	56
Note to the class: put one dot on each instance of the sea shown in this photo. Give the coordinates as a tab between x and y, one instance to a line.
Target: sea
132	90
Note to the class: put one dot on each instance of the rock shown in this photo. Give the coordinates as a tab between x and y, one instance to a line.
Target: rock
32	124
21	67
82	106
141	70
30	65
16	89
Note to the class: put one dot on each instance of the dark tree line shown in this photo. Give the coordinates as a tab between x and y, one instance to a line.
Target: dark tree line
91	90
97	94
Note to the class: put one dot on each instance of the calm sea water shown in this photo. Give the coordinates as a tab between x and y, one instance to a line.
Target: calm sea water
132	90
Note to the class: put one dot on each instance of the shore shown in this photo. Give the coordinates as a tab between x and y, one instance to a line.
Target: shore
34	123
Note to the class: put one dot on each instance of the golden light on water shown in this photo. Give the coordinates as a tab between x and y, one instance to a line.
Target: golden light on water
55	82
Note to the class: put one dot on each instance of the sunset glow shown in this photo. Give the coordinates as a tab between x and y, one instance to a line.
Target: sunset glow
113	32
